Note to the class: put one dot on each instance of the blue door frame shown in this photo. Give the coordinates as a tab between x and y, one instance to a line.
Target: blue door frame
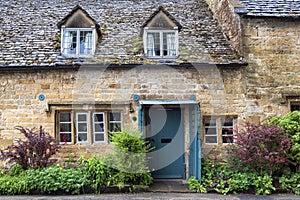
195	131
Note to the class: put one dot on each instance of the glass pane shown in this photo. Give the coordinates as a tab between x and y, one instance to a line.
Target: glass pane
65	137
227	122
210	122
82	137
99	137
295	107
99	127
210	139
115	127
169	47
153	44
82	117
116	116
227	138
86	42
98	117
210	131
82	127
65	117
65	127
69	42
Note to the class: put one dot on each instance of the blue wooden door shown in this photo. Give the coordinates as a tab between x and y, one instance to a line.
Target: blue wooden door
165	132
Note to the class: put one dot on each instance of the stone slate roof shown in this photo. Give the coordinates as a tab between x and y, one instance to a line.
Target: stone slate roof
270	8
29	33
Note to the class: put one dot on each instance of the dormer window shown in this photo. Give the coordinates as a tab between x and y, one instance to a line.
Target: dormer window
79	33
80	41
160	35
161	43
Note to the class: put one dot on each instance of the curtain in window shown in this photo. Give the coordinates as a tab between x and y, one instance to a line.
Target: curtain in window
170	45
88	43
150	45
67	42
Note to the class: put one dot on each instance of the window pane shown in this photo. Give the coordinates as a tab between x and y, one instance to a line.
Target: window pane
65	127
153	44
65	117
99	137
69	42
82	117
227	122
115	127
65	137
99	127
114	116
210	122
211	139
295	107
169	47
227	130
86	42
210	131
98	117
82	127
82	137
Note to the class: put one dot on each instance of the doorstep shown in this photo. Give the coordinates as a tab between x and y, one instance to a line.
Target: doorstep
169	185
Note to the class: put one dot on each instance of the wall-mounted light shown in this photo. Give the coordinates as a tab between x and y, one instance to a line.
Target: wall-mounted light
41	97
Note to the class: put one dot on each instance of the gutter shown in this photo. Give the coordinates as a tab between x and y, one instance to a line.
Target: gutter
110	66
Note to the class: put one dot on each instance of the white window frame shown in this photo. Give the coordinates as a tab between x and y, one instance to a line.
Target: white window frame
223	119
109	122
161	32
94	127
77	127
210	127
90	123
69	122
78	30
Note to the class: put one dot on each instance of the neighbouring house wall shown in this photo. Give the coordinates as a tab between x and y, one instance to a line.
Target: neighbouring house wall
229	21
220	91
272	48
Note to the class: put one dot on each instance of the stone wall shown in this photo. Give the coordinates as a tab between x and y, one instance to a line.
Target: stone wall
272	47
220	91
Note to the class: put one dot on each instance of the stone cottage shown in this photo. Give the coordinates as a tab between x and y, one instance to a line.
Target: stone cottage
185	73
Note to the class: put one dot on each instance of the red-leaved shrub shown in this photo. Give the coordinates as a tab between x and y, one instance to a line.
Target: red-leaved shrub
262	147
33	152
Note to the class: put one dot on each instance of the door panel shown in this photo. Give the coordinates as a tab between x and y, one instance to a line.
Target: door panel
164	129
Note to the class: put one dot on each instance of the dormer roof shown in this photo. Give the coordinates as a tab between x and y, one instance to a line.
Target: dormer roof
162	19
79	18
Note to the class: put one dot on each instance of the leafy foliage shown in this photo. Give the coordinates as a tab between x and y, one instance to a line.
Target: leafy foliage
129	159
291	182
225	178
13	185
264	184
291	124
97	172
195	185
56	178
262	147
34	152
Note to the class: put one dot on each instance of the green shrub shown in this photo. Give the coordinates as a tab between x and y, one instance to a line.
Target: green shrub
194	184
97	172
291	124
56	179
13	185
223	178
264	184
291	183
16	170
129	159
